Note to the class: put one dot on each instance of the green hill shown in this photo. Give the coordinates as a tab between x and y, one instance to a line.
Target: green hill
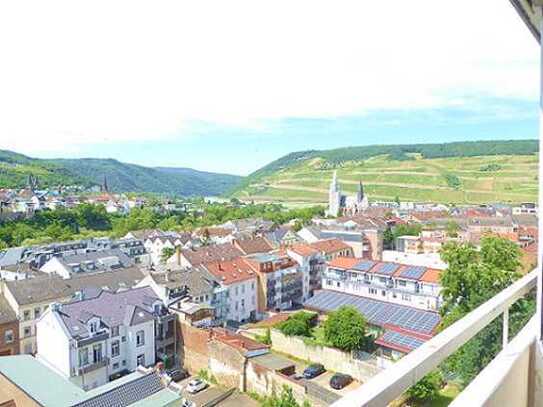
463	172
121	177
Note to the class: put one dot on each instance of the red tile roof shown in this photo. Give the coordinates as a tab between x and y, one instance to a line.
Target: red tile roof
344	262
303	249
231	271
330	245
237	341
431	276
207	254
252	246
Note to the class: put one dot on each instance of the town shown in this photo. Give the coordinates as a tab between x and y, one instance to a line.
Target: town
235	312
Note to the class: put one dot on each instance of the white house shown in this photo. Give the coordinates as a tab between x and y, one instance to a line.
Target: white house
414	286
92	340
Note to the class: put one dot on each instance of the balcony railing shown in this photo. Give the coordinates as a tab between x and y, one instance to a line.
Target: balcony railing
93	366
394	381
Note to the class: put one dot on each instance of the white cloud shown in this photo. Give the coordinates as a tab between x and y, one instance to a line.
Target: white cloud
85	72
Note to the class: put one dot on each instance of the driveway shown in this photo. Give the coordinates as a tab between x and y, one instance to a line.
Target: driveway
202	397
324	381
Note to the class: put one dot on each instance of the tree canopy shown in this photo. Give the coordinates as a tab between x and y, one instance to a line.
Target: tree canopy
346	329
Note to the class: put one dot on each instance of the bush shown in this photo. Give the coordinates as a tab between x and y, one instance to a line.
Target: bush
346	329
427	388
298	324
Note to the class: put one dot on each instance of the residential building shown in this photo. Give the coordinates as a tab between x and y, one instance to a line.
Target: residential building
194	294
27	381
30	298
89	262
241	282
414	286
93	340
252	245
526	208
156	244
311	263
283	236
333	248
9	329
196	256
280	281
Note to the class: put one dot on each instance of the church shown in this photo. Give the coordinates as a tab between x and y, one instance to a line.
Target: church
340	204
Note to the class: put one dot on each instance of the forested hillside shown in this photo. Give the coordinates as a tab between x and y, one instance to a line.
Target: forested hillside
121	177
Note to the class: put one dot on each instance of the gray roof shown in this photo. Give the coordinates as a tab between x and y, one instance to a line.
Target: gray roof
103	260
198	280
11	256
525	220
127	393
130	307
51	288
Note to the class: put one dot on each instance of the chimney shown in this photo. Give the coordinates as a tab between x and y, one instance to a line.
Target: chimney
178	253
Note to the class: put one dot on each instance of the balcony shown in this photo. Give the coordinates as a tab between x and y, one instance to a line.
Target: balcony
93	366
513	378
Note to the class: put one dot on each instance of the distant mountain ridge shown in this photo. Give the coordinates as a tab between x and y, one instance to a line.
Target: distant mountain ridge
121	177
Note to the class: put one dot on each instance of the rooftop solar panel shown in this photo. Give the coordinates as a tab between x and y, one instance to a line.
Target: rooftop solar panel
414	272
377	312
405	341
364	265
386	268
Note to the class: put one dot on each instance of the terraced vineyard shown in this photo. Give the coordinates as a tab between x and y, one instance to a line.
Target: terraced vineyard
481	179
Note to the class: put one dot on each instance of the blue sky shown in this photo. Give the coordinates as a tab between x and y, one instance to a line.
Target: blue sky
233	86
239	150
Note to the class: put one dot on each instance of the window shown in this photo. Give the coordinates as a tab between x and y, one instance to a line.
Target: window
115	348
253	286
27	332
83	357
237	290
93	327
97	353
328	282
114	331
37	311
383	293
373	291
8	336
124	362
115	366
242	303
141	360
237	305
26	315
402	283
123	339
243	289
406	297
338	284
140	338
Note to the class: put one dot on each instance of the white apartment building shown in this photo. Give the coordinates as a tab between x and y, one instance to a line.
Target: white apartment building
91	341
156	244
312	265
240	281
414	286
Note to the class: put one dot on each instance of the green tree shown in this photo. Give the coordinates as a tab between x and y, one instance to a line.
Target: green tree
92	217
298	324
452	229
167	252
427	388
471	278
346	329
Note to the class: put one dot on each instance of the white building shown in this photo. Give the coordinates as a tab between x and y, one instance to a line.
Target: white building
414	286
156	244
240	281
91	340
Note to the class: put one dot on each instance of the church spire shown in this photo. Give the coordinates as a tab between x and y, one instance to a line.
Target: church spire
105	188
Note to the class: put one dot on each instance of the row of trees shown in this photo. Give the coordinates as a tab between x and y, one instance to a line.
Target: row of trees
89	220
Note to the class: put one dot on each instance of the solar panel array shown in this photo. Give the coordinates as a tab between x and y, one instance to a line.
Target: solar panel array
377	312
405	341
364	265
414	272
386	268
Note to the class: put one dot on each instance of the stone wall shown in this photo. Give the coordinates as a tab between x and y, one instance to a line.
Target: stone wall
332	359
227	365
193	347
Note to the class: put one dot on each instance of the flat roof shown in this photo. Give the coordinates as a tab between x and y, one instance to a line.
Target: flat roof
39	382
272	361
377	312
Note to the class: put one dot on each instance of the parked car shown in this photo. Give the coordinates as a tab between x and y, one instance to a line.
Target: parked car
340	380
187	403
177	374
314	370
196	385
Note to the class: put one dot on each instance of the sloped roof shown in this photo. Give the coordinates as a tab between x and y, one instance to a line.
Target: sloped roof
330	245
231	271
252	246
207	254
50	288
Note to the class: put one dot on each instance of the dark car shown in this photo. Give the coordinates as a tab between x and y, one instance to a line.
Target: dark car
340	380
314	370
177	374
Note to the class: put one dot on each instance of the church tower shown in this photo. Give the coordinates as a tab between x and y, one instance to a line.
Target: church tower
334	197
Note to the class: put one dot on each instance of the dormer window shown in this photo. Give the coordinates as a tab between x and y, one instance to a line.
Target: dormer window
93	327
